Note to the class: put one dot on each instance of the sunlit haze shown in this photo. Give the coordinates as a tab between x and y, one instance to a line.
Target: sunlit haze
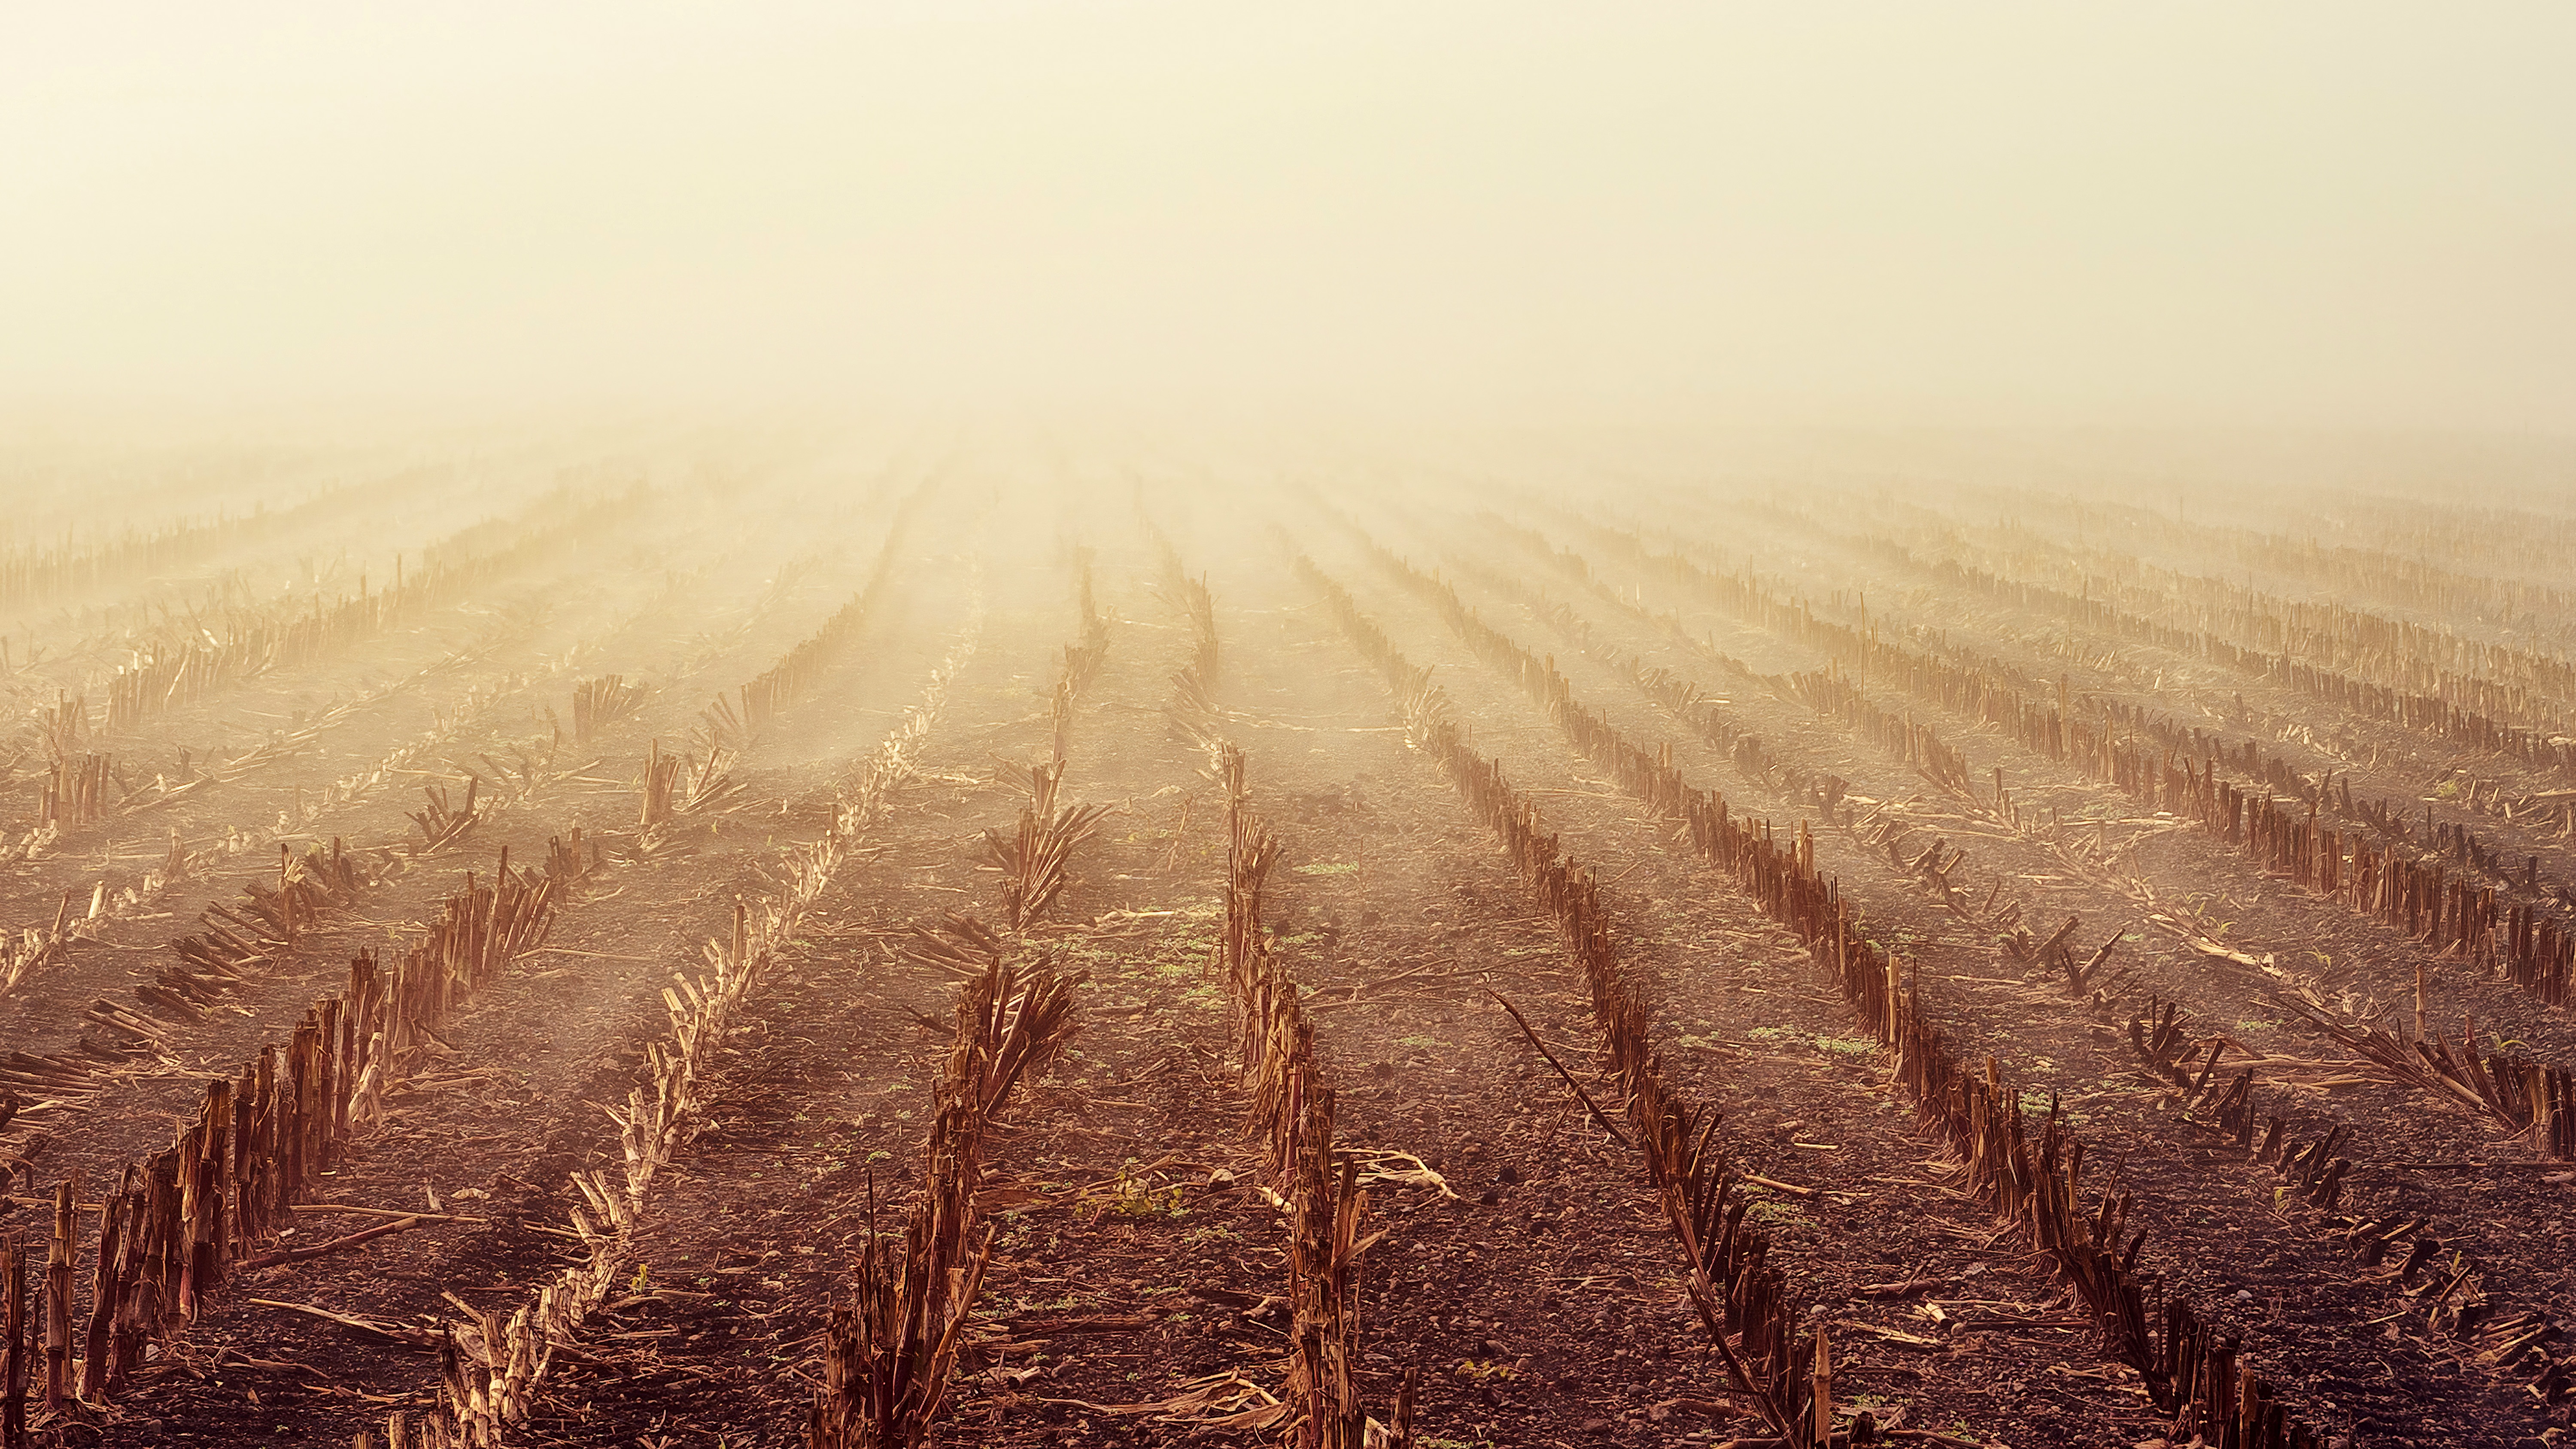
2293	215
1305	726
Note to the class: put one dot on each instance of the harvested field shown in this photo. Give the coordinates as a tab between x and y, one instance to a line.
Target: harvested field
962	947
790	725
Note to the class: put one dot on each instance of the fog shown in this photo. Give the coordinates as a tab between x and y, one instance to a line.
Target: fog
2304	216
1287	721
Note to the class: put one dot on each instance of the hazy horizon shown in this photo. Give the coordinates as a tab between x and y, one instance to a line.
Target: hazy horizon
2298	218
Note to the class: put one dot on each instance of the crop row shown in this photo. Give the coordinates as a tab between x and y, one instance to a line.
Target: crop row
1291	1109
2027	1175
2118	595
180	1223
2416	896
2515	1091
889	1351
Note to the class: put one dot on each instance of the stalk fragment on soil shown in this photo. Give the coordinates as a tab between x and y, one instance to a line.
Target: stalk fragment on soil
1598	1116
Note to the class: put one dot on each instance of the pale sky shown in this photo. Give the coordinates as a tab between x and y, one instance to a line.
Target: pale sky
2337	214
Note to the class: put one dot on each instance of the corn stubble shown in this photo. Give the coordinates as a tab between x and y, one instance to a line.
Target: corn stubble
889	1350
